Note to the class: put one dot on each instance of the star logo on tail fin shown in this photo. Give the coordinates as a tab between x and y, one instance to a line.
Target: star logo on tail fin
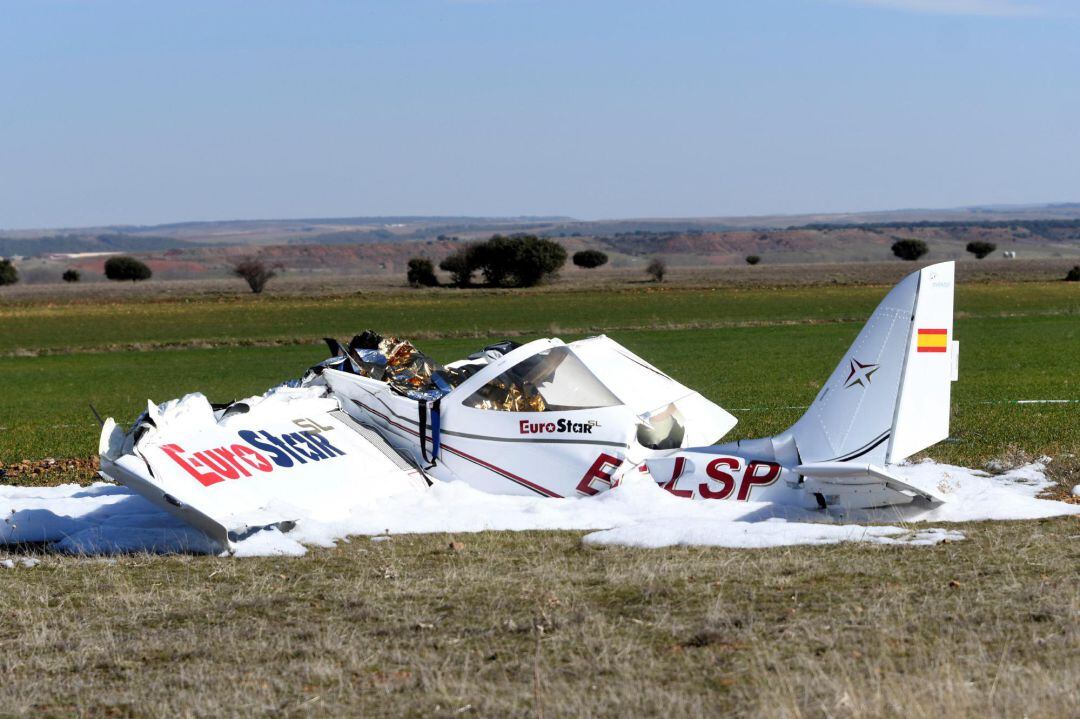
860	374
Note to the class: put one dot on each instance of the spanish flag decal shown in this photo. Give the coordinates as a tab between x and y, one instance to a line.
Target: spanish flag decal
933	340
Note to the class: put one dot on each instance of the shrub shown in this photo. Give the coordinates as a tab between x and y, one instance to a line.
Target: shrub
461	263
752	259
71	276
909	249
981	249
657	269
589	259
536	259
496	258
1072	276
518	261
8	274
255	273
126	268
421	273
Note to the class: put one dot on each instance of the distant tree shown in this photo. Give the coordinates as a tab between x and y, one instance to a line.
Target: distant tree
71	276
981	249
535	260
496	258
8	274
461	264
752	259
909	249
657	269
124	267
1073	276
590	259
516	261
255	272
421	273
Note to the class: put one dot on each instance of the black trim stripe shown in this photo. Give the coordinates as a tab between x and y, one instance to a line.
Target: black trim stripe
856	453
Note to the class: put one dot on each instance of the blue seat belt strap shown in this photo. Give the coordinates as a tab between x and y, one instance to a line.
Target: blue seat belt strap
436	429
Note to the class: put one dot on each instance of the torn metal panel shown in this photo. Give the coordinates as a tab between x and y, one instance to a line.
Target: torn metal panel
262	462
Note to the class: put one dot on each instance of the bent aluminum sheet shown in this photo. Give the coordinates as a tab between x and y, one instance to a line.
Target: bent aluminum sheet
291	455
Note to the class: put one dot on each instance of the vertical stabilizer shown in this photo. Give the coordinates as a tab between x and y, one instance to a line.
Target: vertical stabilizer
889	396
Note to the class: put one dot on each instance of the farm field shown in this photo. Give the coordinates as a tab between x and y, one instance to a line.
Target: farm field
536	624
762	353
47	328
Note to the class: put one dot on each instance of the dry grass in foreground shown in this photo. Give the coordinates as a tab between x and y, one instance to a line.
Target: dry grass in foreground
534	624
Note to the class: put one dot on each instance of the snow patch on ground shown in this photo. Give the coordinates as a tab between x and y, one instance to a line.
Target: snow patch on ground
975	495
770	533
268	543
24	562
105	519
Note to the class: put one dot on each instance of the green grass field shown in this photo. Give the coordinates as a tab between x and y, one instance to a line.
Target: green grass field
31	327
536	624
744	349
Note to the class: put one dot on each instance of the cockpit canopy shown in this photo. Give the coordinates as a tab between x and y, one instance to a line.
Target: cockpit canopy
554	380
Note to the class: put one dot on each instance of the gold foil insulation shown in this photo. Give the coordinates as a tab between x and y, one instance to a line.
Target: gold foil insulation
504	394
398	363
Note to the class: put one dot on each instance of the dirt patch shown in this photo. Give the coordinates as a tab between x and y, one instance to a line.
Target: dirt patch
50	472
1065	471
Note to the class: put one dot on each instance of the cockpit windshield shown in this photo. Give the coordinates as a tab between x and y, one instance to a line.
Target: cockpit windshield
554	380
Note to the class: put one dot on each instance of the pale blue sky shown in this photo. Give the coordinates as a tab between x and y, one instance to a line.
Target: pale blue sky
145	112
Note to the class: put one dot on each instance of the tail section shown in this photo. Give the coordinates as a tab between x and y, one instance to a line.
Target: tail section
889	396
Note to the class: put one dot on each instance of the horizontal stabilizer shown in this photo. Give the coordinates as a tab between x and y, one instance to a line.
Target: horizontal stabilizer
846	476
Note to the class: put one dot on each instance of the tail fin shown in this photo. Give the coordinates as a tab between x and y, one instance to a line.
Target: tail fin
889	396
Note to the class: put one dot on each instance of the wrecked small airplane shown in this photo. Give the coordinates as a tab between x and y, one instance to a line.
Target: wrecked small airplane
547	418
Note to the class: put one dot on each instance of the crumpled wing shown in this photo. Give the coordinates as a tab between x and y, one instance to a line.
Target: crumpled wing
283	458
